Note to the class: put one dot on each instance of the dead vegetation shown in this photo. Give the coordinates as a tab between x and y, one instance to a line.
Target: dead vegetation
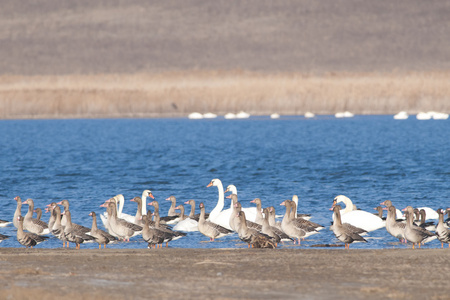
175	94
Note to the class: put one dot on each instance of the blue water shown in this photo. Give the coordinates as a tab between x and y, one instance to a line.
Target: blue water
367	158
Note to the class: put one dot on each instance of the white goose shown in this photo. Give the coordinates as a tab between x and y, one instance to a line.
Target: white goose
358	218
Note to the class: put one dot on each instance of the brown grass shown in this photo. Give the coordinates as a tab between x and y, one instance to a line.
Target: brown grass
174	94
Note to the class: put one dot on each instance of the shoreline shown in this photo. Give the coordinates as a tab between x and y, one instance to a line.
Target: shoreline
224	273
177	94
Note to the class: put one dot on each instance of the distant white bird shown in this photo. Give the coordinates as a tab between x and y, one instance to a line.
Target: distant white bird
403	115
309	115
242	115
195	115
230	116
209	116
274	116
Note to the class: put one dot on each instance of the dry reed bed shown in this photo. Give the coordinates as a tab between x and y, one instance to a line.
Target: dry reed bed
180	93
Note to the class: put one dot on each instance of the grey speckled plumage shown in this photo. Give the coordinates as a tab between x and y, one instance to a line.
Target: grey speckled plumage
210	229
100	236
28	239
343	233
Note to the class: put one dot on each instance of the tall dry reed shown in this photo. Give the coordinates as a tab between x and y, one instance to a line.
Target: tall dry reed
180	93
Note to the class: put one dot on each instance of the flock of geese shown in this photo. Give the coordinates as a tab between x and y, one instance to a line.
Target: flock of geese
256	226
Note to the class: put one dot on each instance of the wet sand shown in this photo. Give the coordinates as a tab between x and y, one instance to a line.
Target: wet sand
224	273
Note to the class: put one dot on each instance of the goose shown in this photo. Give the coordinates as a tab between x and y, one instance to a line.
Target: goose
443	234
250	224
58	229
18	212
425	225
73	234
343	233
416	234
4	223
192	214
277	234
100	236
289	227
398	213
51	221
81	228
33	225
272	221
122	229
3	237
304	216
119	200
379	212
393	227
38	212
251	236
166	219
153	236
431	214
173	204
309	227
358	218
259	216
28	239
186	223
175	235
222	217
210	229
350	227
138	216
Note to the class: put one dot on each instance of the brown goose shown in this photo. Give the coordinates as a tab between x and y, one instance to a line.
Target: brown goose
251	236
192	214
343	233
81	228
163	220
425	225
58	229
123	230
210	229
272	221
51	221
308	226
250	224
73	234
175	234
172	211
348	226
100	236
38	212
3	237
259	216
154	236
413	233
138	216
18	212
289	227
379	212
393	227
33	225
233	216
443	233
28	239
271	231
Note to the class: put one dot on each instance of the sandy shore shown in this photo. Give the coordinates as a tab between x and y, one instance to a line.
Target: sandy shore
224	273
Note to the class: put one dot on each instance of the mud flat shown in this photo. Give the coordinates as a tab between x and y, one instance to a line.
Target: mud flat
224	273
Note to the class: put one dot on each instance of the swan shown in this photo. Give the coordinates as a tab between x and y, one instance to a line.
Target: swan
218	216
358	218
304	216
250	212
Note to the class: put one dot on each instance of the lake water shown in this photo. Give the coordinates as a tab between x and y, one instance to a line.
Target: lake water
367	158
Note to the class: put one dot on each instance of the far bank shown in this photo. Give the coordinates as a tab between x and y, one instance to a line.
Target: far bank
177	94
